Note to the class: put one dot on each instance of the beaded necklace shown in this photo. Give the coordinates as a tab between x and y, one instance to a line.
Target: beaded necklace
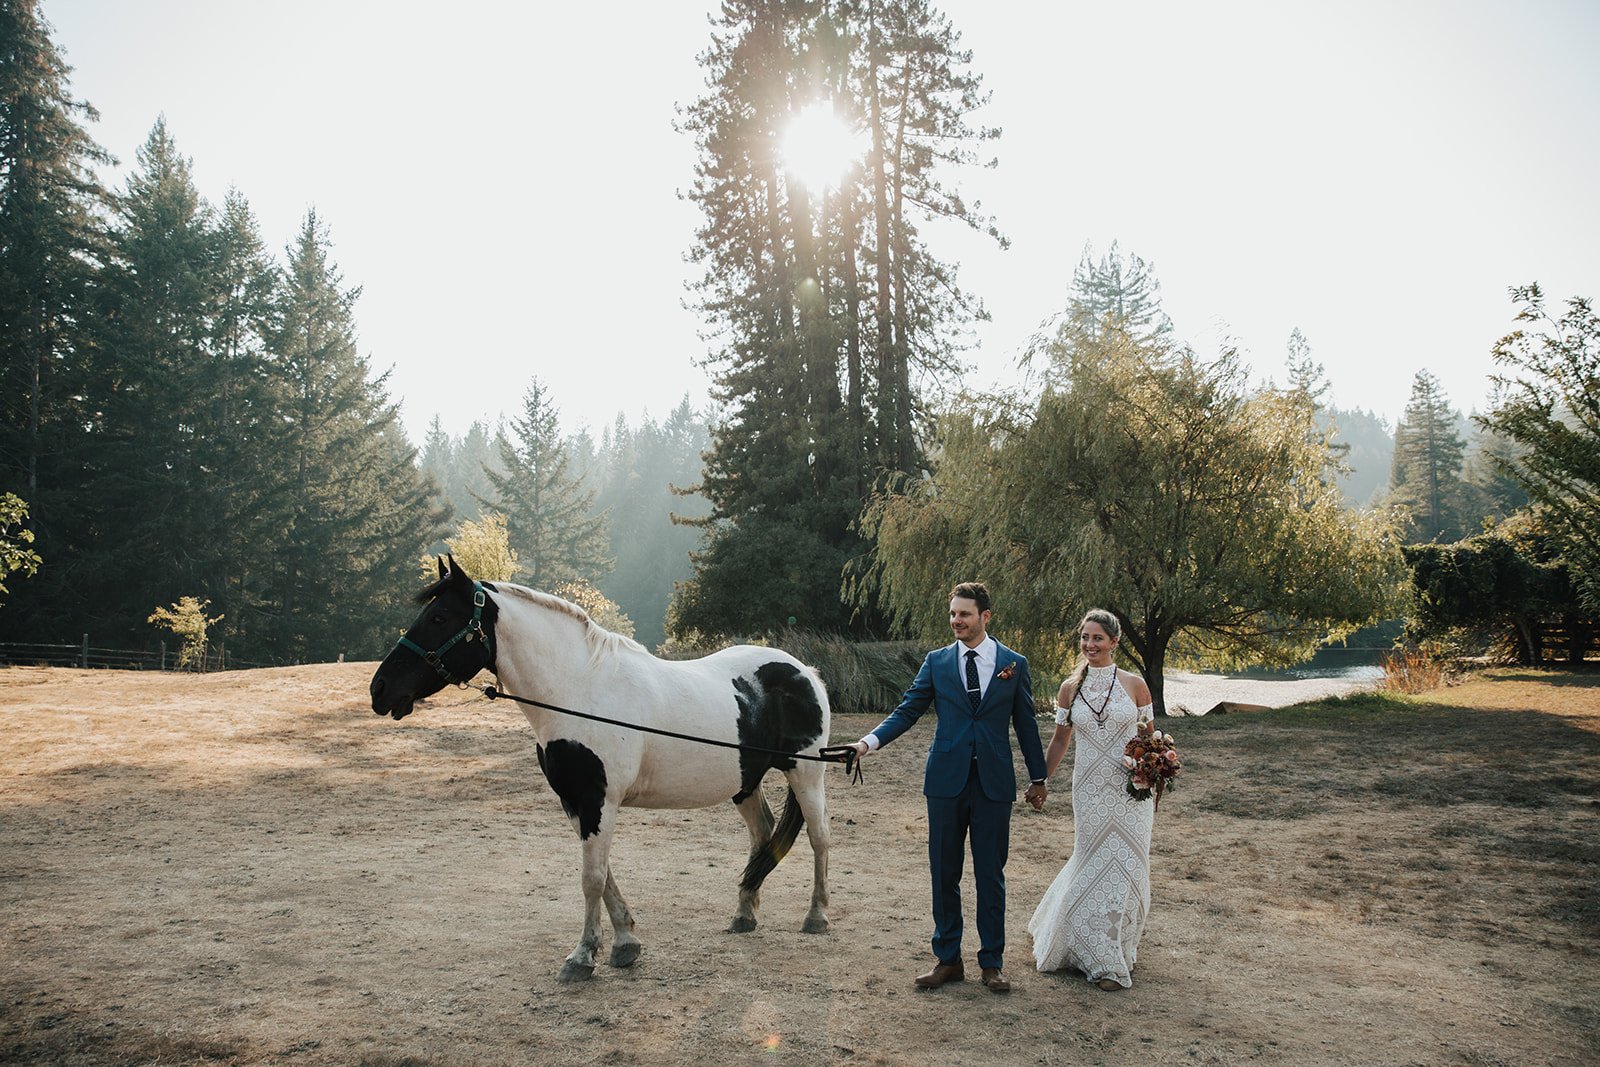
1100	714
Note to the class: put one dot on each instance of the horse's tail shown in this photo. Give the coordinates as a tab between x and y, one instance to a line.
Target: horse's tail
765	857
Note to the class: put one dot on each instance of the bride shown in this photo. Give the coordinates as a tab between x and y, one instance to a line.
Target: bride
1093	914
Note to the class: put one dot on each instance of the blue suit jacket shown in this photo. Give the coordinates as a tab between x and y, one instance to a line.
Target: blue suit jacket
962	734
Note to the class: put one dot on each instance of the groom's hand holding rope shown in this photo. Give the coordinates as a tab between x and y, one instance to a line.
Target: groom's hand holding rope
845	754
860	749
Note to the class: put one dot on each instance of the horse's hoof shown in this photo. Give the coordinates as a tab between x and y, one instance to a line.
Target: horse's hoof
742	924
624	955
575	972
815	924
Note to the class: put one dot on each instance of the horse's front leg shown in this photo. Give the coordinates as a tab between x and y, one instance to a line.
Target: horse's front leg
624	945
596	872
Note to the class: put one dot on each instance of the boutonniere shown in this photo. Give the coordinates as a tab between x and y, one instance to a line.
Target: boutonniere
1010	669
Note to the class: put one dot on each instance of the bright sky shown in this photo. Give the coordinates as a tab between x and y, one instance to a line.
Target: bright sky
502	179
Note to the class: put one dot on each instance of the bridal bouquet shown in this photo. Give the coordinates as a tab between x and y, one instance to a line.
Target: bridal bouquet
1151	760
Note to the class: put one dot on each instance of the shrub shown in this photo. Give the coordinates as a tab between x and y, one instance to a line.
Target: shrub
1412	670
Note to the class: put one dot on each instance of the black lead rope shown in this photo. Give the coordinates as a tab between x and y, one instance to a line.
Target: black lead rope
845	754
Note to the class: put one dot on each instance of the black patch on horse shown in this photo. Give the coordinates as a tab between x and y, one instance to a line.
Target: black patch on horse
779	711
579	779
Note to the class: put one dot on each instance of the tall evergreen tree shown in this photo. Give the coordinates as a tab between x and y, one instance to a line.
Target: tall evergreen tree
1123	291
1428	457
361	511
52	247
51	244
157	477
548	512
253	507
437	463
476	456
643	473
1490	489
829	307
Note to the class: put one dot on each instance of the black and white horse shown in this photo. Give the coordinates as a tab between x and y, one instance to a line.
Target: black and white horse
543	648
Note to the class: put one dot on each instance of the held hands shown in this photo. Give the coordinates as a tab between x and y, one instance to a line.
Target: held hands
1036	794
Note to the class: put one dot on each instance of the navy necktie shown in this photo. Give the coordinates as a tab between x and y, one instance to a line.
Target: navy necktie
974	690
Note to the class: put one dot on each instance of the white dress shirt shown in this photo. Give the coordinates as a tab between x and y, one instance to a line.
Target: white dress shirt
988	651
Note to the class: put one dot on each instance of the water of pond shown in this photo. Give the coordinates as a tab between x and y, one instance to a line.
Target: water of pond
1360	660
1353	672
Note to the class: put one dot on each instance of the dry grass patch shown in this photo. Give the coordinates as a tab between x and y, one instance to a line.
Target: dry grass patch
1472	810
253	869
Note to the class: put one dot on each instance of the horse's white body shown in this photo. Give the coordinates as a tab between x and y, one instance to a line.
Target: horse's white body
549	650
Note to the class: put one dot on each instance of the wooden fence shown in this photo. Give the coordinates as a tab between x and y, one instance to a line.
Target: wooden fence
91	657
1572	639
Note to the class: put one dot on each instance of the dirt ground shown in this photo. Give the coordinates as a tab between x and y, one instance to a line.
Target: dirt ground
251	868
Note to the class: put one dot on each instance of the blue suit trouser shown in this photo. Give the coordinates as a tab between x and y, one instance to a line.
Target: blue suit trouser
951	822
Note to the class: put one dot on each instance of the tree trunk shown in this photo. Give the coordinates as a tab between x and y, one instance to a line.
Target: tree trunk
1155	659
859	459
884	342
900	352
1148	650
40	342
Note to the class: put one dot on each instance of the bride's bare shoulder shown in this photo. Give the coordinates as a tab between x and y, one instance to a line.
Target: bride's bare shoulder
1136	687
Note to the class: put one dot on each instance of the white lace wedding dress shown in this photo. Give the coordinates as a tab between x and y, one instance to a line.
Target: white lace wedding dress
1093	914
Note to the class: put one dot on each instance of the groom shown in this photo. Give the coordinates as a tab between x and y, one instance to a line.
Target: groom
979	690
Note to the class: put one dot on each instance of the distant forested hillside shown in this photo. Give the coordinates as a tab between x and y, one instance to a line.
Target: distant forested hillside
1371	454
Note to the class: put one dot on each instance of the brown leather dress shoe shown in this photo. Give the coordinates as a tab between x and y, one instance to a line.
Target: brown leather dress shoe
941	973
996	981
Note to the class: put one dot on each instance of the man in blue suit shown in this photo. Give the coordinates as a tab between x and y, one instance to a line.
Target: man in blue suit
980	691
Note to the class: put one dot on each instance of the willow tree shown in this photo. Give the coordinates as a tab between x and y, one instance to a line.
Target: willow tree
1547	401
1151	483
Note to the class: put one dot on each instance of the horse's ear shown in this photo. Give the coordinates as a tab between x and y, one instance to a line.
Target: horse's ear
443	570
457	573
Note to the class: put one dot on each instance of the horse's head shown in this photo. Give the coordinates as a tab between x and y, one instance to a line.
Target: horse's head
452	640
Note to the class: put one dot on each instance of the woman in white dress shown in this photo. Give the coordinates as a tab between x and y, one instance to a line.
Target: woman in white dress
1093	914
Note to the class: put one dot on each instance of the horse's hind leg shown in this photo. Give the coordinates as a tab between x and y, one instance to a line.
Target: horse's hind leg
624	946
807	783
758	817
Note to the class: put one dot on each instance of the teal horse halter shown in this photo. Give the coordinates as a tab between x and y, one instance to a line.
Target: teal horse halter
472	631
